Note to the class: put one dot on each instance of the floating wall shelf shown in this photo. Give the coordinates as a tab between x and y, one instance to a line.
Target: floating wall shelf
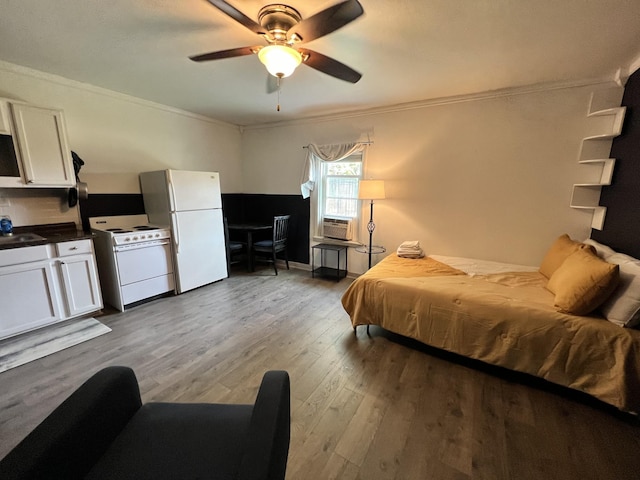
604	123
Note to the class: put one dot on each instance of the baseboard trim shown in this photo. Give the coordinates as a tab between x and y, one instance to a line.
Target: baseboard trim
307	268
297	265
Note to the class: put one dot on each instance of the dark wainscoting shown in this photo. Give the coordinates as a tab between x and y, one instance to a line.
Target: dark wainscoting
249	207
622	198
238	208
106	204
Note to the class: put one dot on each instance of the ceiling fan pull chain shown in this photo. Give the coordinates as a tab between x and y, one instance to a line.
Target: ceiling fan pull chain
278	84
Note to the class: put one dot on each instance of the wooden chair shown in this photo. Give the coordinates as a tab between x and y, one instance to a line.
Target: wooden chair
270	248
234	248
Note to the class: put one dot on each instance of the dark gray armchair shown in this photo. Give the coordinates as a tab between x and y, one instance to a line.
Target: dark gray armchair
102	431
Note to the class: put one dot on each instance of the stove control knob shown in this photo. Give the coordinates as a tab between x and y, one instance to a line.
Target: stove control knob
127	239
135	238
142	237
157	235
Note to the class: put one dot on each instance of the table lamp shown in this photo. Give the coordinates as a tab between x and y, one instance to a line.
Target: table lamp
371	190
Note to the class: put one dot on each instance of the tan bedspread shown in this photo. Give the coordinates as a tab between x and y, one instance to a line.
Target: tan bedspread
503	319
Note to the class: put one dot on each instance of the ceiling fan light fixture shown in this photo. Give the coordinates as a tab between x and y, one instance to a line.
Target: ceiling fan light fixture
280	60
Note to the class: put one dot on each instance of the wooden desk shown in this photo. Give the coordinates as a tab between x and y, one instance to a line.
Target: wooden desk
248	229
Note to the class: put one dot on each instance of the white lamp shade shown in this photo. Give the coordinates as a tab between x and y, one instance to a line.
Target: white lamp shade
371	189
280	60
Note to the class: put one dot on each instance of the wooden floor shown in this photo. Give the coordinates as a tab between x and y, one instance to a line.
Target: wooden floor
362	408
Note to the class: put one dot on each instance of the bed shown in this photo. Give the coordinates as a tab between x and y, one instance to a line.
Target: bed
503	315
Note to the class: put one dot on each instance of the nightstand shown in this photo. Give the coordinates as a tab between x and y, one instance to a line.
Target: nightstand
326	271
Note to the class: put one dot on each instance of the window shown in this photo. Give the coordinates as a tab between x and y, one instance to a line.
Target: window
332	185
339	194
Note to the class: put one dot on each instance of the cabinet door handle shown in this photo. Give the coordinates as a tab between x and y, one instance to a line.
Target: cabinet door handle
73	248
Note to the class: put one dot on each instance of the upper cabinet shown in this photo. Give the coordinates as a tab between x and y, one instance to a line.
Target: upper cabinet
33	147
5	119
42	141
10	166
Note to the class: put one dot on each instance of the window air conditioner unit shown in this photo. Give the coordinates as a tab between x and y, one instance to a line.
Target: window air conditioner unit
337	228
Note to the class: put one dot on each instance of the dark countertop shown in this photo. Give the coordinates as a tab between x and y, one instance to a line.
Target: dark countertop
52	233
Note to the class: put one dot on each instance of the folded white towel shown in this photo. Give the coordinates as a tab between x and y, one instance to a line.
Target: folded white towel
411	255
410	244
410	249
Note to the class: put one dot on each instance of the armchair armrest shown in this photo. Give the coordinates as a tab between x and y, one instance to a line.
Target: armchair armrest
74	436
267	445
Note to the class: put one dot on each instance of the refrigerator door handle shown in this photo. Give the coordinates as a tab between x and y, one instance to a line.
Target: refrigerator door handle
176	232
172	193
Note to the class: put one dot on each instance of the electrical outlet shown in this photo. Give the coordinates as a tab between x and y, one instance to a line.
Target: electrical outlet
4	201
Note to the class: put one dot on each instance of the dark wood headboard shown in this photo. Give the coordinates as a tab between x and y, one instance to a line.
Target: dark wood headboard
622	198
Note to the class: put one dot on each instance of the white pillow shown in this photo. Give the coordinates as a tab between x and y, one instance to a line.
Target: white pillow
621	258
623	305
601	250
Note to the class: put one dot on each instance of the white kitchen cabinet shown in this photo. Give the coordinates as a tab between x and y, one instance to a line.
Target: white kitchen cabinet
5	118
30	297
45	284
79	274
10	166
41	137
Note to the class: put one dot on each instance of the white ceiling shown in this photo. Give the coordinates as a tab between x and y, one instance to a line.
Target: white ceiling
407	50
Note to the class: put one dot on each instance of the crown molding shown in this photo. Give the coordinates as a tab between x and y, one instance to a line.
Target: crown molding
471	97
87	87
635	65
477	96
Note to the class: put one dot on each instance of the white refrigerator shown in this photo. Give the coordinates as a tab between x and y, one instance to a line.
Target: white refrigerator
191	204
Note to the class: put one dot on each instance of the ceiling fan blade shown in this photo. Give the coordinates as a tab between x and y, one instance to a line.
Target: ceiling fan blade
326	21
329	66
238	16
233	52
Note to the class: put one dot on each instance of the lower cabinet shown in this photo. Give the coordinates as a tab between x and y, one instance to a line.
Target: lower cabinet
46	284
81	285
29	295
79	278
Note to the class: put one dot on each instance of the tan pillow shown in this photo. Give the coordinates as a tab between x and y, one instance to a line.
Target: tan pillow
583	282
558	252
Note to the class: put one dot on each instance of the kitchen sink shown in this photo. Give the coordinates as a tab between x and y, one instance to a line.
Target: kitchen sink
20	238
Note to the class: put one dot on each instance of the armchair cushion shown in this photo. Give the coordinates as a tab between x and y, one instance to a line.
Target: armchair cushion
171	441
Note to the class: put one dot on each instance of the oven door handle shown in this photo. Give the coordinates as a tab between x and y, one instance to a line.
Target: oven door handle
135	246
176	232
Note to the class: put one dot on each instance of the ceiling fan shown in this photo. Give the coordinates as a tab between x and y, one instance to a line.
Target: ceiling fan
284	29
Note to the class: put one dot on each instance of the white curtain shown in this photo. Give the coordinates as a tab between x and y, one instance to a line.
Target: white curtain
324	153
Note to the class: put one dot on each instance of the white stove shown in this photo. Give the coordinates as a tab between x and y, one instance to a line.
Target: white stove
134	259
128	229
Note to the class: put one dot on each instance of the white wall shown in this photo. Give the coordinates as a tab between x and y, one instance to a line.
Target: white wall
485	177
119	136
488	177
